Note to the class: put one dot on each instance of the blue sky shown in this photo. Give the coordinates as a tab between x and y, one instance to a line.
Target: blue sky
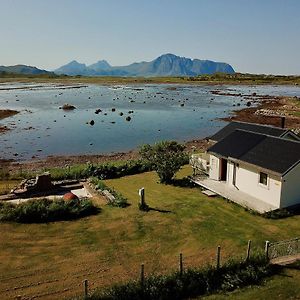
255	36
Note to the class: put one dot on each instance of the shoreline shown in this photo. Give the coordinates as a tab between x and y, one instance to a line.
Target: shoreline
61	161
240	79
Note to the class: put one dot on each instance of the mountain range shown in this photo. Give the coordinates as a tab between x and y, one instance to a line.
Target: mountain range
164	65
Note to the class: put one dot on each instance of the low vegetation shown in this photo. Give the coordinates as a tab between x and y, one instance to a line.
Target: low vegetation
44	210
119	201
101	171
192	282
217	78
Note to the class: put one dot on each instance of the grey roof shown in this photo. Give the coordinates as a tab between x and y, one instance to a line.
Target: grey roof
269	152
264	129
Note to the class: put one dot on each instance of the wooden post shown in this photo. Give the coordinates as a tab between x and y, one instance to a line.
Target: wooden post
180	264
142	275
267	244
248	250
218	256
86	292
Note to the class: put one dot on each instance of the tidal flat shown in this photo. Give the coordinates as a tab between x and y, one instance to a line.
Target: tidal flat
108	119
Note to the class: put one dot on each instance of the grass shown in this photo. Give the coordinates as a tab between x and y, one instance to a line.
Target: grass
7	185
109	247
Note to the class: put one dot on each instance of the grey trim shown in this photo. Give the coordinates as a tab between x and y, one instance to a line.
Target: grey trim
292	167
297	138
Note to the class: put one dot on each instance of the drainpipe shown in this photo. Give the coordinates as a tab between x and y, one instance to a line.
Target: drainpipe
282	122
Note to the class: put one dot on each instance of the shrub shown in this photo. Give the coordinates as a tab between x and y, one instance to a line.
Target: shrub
192	283
166	158
45	210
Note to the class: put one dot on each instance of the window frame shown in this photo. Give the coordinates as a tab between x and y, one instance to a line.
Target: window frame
261	182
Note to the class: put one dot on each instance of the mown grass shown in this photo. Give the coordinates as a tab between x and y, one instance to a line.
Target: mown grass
109	247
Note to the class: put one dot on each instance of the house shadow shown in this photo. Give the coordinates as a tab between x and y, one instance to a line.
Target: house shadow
282	213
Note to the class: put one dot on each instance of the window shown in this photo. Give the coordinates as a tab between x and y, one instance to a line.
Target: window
263	178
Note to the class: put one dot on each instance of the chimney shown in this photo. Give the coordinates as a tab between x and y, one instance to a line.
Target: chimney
282	122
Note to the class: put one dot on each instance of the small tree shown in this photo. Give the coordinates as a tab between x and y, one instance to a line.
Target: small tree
165	157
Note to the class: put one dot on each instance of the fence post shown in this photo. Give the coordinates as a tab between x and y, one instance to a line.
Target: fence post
180	264
267	245
86	292
248	250
142	275
218	256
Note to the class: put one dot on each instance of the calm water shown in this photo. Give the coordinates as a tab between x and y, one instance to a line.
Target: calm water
42	129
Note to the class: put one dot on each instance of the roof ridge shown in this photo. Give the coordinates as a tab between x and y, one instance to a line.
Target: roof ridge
262	125
268	135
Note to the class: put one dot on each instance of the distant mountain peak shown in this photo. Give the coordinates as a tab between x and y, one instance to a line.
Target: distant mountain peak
100	65
75	63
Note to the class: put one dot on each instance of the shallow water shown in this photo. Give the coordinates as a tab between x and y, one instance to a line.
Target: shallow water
42	129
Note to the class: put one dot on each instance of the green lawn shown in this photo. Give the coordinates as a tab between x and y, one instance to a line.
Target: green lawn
42	259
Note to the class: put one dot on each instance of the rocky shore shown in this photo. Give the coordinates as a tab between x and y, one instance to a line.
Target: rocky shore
262	109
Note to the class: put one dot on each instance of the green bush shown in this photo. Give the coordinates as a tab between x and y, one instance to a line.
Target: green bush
192	283
165	157
45	210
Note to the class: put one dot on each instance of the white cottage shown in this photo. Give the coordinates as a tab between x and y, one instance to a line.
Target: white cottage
256	170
